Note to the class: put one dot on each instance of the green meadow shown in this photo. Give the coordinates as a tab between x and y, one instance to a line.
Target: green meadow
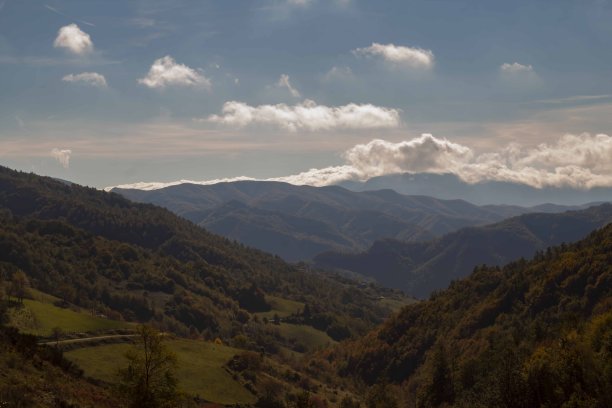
200	371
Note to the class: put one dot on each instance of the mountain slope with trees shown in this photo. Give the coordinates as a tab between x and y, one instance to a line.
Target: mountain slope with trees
420	268
532	334
142	263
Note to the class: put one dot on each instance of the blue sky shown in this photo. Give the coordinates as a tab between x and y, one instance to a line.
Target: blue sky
496	78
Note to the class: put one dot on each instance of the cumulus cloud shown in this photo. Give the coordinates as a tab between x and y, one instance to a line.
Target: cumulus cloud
167	72
399	55
87	78
283	82
308	116
338	73
62	156
515	68
74	40
578	161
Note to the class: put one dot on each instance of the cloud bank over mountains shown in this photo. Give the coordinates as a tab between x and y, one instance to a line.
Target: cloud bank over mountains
575	161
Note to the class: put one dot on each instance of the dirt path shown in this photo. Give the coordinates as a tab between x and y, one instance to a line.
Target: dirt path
87	339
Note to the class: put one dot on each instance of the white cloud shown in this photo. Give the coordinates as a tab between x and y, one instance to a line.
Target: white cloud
338	73
515	68
62	156
577	161
299	3
283	82
308	116
399	55
87	78
74	40
166	72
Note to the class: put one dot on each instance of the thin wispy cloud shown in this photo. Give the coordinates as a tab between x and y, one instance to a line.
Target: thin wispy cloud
399	55
166	72
62	156
300	3
284	82
53	9
87	78
573	99
308	116
142	22
74	40
338	73
59	12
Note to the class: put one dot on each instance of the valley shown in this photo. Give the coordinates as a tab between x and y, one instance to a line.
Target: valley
83	270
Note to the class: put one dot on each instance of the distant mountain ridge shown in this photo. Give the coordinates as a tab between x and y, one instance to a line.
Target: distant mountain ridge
299	222
449	186
420	268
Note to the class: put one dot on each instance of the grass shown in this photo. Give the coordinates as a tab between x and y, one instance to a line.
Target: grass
397	304
308	336
281	307
200	368
39	318
41	296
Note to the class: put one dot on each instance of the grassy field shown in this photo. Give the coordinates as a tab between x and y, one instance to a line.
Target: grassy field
397	304
281	307
200	368
310	337
39	318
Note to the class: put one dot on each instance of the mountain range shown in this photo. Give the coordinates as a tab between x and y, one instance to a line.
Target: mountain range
422	267
299	222
530	333
449	186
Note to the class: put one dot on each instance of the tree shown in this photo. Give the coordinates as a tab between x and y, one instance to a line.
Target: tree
441	387
56	334
67	293
303	400
2	290
19	283
381	396
348	402
149	380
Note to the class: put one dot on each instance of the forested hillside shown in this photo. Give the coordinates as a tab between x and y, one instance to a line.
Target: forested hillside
532	334
40	377
142	263
420	268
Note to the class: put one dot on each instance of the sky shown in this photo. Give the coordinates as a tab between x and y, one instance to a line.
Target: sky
116	92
